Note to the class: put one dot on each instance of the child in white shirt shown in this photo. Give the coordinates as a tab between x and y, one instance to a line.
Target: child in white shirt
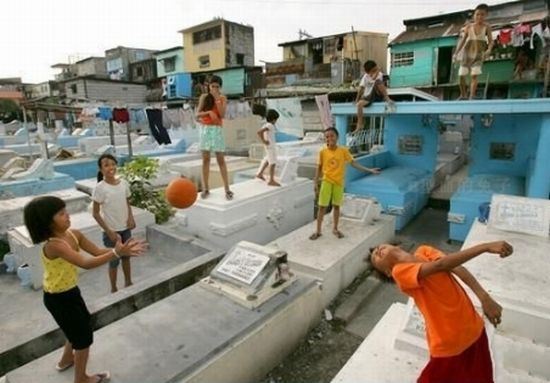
267	136
113	213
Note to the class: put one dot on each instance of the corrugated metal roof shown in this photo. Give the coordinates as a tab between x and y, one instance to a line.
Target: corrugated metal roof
212	23
424	33
451	23
311	39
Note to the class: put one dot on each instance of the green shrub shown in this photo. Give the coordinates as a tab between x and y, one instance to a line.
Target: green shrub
138	173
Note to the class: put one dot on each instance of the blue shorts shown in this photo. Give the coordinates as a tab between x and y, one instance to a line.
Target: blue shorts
124	236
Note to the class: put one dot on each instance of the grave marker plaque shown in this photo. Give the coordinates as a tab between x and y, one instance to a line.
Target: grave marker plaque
250	274
243	265
520	214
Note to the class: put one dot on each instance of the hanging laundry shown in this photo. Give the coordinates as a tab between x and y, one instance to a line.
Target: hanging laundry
157	129
187	118
324	109
88	114
505	36
517	37
137	116
121	115
545	54
537	31
170	118
69	120
105	113
524	28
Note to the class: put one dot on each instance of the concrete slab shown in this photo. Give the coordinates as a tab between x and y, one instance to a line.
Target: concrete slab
34	186
306	169
27	252
6	155
301	148
197	336
257	213
11	210
89	145
518	279
193	169
376	361
172	263
335	262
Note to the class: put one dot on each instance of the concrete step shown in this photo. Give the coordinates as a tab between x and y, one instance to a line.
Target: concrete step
349	308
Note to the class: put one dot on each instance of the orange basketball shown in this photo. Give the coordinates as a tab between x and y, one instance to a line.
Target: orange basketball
181	193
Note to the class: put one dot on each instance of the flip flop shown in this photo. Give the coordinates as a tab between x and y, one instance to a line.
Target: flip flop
229	195
103	377
314	236
338	234
63	368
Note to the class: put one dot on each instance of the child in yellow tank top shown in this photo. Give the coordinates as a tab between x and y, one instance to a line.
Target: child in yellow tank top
47	220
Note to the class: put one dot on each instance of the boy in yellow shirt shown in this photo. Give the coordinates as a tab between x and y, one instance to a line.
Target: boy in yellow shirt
332	166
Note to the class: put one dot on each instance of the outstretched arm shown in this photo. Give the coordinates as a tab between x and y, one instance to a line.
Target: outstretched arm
491	309
358	166
451	261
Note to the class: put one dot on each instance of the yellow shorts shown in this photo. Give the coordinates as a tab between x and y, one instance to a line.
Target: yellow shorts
330	194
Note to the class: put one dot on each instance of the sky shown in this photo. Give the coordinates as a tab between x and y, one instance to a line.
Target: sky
36	34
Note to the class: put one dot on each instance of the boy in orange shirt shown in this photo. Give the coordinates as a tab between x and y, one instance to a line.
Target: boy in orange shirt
458	345
332	167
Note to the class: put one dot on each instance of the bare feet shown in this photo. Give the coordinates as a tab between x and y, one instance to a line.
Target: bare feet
338	233
273	183
260	176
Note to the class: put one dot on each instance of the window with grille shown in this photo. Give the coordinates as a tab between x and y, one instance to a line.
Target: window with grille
213	33
204	61
329	46
169	64
402	59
